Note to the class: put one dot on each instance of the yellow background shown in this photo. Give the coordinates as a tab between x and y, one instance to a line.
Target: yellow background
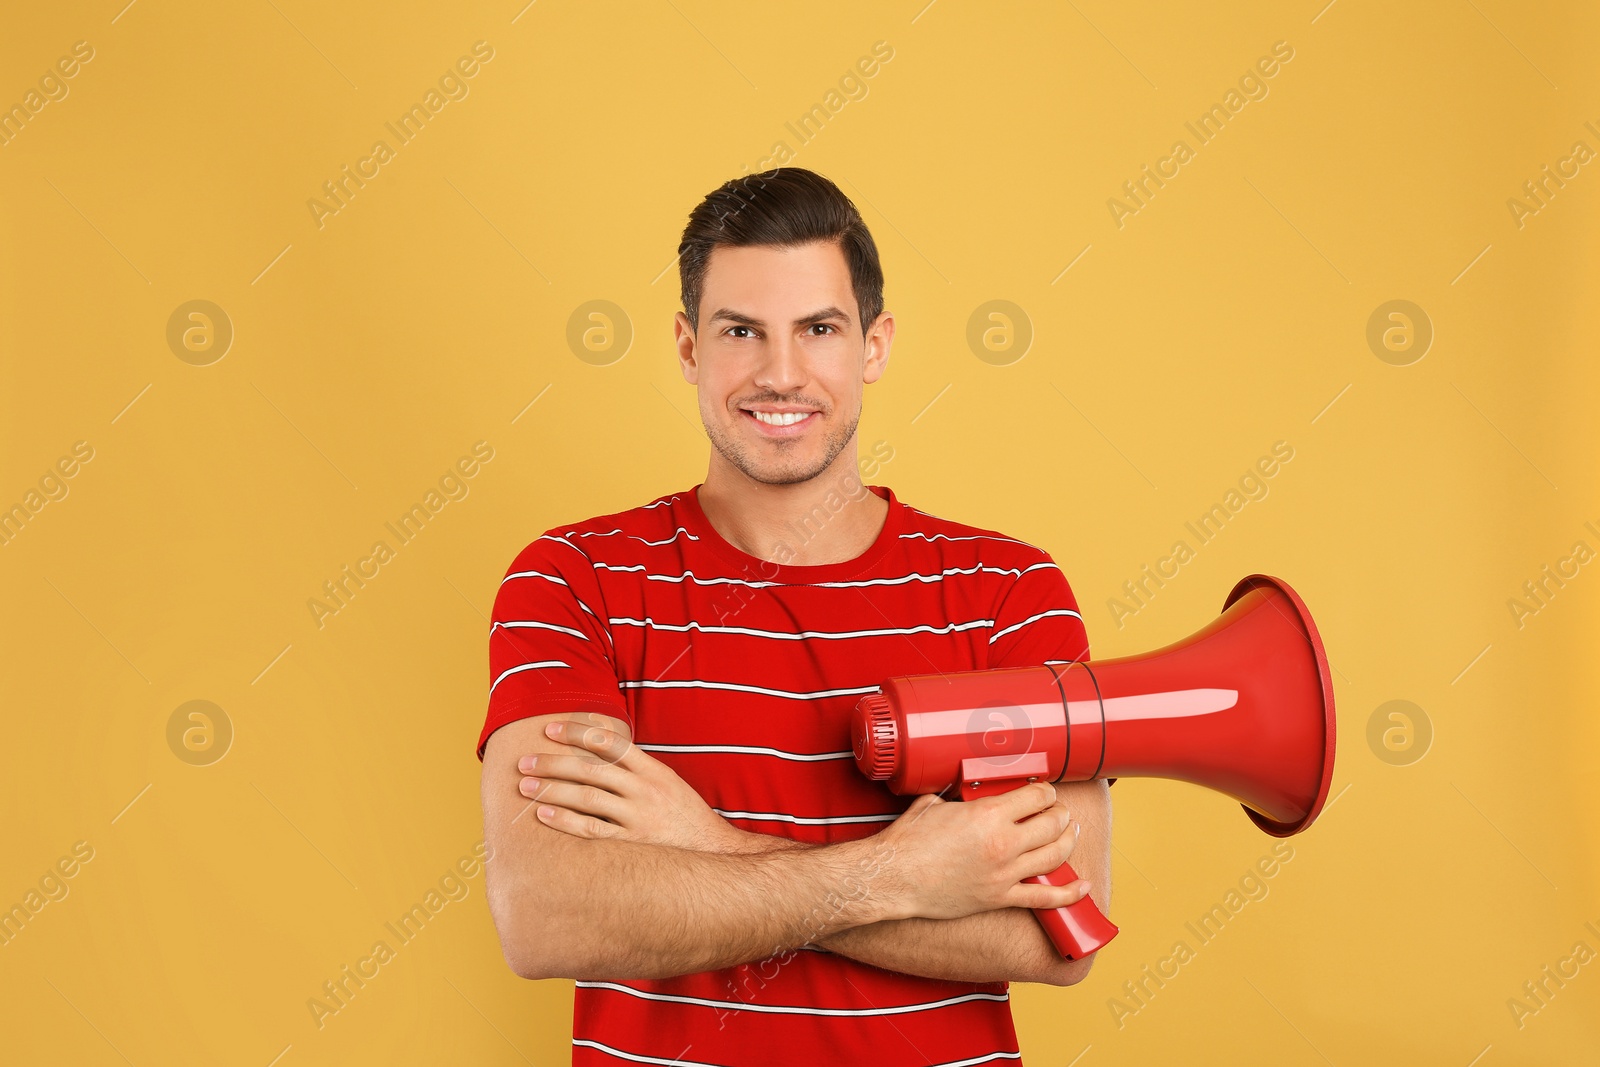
370	353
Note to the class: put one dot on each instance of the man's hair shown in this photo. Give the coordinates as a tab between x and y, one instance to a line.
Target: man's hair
784	207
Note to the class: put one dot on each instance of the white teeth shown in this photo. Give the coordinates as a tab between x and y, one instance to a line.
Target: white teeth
784	419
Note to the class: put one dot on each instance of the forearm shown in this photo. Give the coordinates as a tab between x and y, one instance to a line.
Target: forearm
1003	945
611	909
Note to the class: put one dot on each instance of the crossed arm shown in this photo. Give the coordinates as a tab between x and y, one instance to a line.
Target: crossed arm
645	804
1006	944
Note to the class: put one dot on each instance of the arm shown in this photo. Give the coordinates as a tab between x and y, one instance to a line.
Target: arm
567	906
1006	945
994	946
634	797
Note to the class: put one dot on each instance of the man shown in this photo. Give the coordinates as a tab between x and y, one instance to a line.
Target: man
668	789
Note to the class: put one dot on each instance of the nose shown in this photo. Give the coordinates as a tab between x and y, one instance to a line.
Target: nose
782	368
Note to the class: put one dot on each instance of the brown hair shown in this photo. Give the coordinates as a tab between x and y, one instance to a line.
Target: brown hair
784	207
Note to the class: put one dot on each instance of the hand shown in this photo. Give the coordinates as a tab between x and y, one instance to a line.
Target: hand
608	787
947	860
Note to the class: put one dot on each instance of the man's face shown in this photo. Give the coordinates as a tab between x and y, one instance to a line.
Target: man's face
780	361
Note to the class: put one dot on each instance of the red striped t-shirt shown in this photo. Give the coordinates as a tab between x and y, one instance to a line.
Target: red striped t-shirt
740	674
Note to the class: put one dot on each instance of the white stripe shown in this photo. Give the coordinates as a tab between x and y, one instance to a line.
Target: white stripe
753	750
1034	618
525	667
803	820
954	627
549	578
693	683
681	1062
552	578
972	537
562	540
792	1009
690	576
610	533
534	574
520	624
677	1061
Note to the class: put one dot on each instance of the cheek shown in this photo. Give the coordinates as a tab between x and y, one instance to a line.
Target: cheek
716	406
719	389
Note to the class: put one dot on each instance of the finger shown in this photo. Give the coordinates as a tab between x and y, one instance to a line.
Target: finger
1046	826
585	799
1030	895
607	744
1024	801
575	768
575	824
1049	856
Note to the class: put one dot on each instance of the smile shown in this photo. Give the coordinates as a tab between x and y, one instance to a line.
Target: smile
784	423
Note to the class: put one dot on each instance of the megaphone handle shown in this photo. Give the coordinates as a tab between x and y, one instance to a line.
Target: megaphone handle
1077	929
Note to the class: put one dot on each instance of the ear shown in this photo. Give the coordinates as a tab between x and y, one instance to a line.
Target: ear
683	336
878	340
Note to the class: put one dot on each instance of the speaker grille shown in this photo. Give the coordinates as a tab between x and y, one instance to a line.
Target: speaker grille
875	748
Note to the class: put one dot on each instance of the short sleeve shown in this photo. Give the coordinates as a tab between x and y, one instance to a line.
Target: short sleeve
1038	620
549	640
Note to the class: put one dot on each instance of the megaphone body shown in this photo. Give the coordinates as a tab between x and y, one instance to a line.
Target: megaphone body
1243	707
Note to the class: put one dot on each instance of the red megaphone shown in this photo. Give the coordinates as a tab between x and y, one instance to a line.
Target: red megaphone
1244	707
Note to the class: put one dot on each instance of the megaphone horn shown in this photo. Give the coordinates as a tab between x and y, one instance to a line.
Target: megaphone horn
1243	707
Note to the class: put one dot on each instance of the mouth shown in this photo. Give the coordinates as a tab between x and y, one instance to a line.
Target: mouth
782	423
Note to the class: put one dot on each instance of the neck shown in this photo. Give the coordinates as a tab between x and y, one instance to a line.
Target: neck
831	518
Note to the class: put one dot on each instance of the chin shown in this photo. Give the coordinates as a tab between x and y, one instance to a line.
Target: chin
783	475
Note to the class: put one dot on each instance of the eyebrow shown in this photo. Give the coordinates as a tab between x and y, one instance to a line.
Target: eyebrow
820	315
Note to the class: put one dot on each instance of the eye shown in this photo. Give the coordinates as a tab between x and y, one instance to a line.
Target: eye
732	328
823	325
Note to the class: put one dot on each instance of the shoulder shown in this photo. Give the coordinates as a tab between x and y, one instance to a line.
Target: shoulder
603	536
953	539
